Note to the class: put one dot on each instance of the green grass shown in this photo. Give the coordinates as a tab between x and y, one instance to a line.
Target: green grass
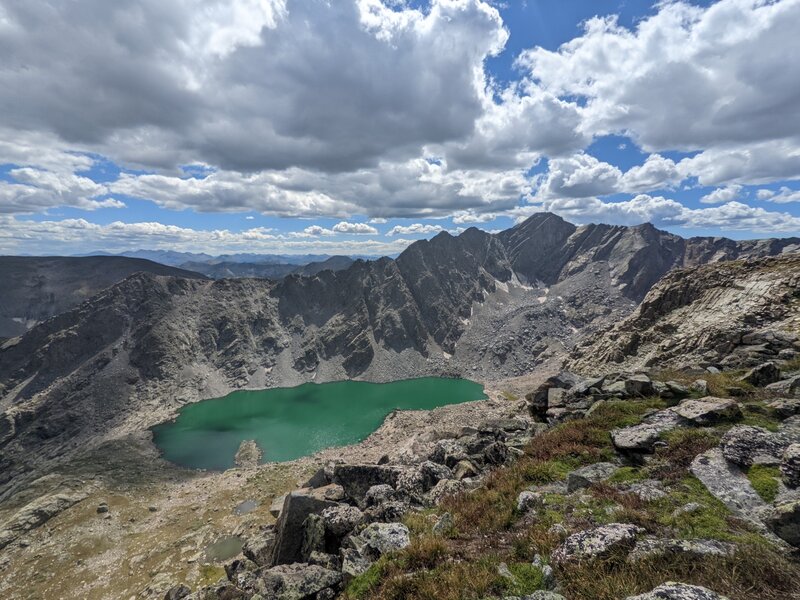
765	481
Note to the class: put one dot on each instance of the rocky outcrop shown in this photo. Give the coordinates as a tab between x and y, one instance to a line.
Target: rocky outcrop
741	313
596	543
679	591
36	513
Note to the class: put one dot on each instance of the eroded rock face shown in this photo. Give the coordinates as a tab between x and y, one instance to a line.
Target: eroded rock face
790	466
597	542
762	375
290	528
36	513
679	591
783	519
297	581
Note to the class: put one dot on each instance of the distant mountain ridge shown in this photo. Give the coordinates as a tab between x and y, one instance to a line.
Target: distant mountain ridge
222	270
176	259
479	304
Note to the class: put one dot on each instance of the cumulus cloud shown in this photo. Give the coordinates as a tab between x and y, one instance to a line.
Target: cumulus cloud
415	229
723	194
355	228
782	196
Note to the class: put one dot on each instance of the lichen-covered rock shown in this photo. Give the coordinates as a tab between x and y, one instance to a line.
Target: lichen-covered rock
464	470
642	437
647	490
297	581
378	494
728	484
788	387
639	385
679	591
36	513
528	500
784	520
762	375
341	520
650	547
444	489
596	543
586	476
708	410
290	528
259	546
379	538
790	466
357	479
746	446
785	407
179	592
432	473
448	452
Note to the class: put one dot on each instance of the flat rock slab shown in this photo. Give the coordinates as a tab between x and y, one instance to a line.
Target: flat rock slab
586	476
651	547
596	543
37	513
708	410
641	437
679	591
728	484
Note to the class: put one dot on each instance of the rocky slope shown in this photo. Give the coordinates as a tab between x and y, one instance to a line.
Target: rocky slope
734	314
37	288
484	305
227	269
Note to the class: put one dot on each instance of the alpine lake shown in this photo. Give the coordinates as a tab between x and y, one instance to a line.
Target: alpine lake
289	423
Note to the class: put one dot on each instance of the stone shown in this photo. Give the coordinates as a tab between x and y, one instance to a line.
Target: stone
648	490
289	530
687	509
297	581
699	386
277	506
727	483
786	387
595	543
444	524
259	547
651	547
708	410
790	466
746	446
177	592
586	476
378	539
444	489
616	388
378	494
496	454
762	375
639	385
353	564
357	479
36	513
678	591
677	390
528	500
248	455
448	452
783	520
642	437
317	480
326	561
555	397
786	407
102	508
341	520
432	473
464	469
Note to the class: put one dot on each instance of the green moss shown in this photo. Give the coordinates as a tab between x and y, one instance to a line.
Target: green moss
511	397
764	481
210	574
527	579
760	416
709	521
550	471
627	475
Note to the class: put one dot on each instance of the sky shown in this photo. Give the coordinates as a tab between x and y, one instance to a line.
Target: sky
360	126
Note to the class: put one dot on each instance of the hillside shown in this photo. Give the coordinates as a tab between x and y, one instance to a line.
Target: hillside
37	288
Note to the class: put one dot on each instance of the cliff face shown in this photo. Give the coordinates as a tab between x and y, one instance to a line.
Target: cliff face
727	314
481	305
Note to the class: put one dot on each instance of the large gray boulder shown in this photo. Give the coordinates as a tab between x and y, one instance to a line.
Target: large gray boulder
650	547
639	385
290	528
679	591
357	479
596	543
586	476
746	446
297	581
642	437
728	483
790	466
786	387
259	546
378	539
708	410
36	513
762	375
783	520
785	407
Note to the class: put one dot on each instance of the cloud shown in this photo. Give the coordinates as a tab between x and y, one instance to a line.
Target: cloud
415	229
460	218
723	194
354	228
783	196
70	236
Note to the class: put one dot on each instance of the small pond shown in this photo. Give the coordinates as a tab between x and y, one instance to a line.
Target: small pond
288	423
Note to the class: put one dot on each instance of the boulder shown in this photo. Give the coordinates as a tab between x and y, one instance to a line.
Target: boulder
786	407
678	591
676	389
651	547
786	387
790	466
648	490
319	479
259	547
432	473
639	385
289	530
464	469
177	593
708	410
378	539
378	494
762	375
353	564
528	500
448	452
357	479
728	484
277	506
642	437
783	520
444	489
297	581
341	520
596	543
699	386
586	476
746	446
496	454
